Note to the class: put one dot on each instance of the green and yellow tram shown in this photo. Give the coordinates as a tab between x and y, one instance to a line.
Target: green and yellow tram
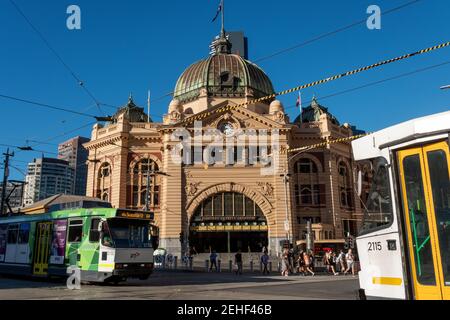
105	244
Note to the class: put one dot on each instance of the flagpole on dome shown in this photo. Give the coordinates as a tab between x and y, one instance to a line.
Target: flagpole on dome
223	18
148	107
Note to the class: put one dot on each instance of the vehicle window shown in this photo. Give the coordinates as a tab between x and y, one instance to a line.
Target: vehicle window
94	235
129	233
13	231
440	185
106	236
24	233
378	209
418	218
75	231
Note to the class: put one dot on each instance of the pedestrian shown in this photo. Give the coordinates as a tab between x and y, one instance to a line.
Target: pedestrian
301	264
328	262
285	263
340	261
308	261
333	263
213	260
238	262
350	259
265	262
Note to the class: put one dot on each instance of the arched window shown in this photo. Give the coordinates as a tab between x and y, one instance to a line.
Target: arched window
307	190
144	176
228	205
308	195
305	166
345	188
104	182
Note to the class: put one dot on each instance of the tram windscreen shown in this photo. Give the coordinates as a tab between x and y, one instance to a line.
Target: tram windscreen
126	233
378	202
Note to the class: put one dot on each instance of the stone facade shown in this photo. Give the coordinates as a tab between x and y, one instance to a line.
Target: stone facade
321	183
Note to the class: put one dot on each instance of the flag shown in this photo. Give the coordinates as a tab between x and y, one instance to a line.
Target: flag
219	10
299	100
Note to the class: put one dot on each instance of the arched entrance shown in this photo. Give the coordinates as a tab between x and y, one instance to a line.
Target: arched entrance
227	222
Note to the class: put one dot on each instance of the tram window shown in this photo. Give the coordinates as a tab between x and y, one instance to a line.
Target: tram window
440	185
94	234
378	209
13	233
75	231
418	219
24	233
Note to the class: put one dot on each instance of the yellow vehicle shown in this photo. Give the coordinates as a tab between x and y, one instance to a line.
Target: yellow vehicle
404	243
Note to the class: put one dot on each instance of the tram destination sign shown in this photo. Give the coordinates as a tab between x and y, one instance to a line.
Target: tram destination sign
130	214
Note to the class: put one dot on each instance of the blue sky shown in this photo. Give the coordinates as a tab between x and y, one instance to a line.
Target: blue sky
135	45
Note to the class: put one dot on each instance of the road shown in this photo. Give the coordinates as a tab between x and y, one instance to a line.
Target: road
165	285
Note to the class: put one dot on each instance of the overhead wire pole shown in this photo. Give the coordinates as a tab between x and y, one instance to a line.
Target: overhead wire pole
5	180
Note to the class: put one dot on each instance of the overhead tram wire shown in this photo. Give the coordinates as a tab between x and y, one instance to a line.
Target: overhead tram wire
27	148
221	110
48	106
370	84
58	56
312	40
327	34
60	135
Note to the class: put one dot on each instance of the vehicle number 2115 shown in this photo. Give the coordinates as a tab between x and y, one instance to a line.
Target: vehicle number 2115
375	246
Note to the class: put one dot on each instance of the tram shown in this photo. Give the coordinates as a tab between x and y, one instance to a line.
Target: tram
105	244
404	242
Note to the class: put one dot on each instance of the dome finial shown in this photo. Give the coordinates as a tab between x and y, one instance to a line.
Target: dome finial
221	44
314	102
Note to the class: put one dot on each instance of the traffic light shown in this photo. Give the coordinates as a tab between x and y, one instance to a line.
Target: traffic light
351	243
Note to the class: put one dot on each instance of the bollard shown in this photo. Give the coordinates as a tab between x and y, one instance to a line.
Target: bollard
251	266
175	262
270	266
219	265
191	263
231	266
260	267
279	266
207	265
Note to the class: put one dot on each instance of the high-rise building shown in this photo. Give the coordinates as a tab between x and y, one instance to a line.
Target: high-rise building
73	152
14	194
47	177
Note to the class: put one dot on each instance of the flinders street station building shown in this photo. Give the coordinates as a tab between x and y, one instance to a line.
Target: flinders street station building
226	181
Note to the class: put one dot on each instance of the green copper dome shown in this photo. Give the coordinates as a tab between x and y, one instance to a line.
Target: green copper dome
313	112
223	75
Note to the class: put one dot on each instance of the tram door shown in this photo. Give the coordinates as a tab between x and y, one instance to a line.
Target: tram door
424	176
42	248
